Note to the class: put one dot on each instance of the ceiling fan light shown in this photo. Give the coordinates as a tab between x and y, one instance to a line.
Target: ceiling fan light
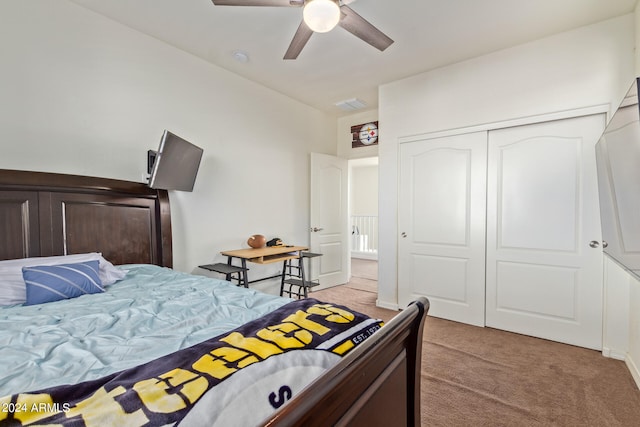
321	16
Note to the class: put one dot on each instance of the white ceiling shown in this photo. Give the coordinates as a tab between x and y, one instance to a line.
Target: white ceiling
337	65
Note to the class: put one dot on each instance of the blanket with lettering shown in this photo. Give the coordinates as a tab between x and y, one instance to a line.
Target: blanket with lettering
238	378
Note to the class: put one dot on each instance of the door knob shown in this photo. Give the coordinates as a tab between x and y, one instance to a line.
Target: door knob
594	243
604	244
403	234
316	229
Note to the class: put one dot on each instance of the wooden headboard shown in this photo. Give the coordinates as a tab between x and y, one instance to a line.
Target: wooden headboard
45	214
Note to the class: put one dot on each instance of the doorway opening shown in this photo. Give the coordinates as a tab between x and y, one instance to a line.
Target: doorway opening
363	220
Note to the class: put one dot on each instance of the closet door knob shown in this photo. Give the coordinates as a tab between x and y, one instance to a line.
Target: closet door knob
403	234
594	243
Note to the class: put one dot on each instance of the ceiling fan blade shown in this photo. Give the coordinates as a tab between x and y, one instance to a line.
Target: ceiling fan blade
258	2
360	27
302	36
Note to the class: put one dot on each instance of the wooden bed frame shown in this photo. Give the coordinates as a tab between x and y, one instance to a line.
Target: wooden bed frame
45	214
52	214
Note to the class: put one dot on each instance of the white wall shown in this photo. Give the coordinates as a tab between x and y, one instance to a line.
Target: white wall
586	67
621	335
617	288
82	94
364	190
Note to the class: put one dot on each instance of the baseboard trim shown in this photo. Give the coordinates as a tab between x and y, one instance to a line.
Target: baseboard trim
633	368
386	305
612	354
365	255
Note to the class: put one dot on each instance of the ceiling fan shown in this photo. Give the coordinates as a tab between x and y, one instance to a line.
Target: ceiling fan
321	16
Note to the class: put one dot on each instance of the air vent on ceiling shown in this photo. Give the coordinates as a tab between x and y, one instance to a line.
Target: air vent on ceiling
351	104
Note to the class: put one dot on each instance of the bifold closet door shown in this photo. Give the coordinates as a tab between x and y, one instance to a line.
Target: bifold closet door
441	243
544	278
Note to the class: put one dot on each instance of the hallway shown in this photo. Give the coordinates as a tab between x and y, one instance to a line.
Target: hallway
364	275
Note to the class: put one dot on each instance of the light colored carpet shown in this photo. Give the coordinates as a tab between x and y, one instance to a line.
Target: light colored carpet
364	268
475	376
364	275
361	284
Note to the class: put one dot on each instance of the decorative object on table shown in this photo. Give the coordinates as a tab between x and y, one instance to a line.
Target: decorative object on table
275	242
364	135
256	241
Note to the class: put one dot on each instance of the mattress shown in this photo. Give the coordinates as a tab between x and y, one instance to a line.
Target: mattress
154	311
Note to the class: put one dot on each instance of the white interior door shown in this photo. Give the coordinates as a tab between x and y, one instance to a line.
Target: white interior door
329	222
441	244
543	278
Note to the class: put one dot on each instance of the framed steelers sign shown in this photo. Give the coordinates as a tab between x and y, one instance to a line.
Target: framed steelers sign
364	135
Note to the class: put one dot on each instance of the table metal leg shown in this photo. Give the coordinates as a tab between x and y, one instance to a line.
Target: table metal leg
228	275
284	273
301	267
245	280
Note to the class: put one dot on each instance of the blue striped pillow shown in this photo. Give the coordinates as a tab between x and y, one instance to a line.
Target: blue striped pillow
46	283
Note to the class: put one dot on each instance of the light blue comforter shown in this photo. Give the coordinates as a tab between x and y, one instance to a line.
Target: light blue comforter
152	312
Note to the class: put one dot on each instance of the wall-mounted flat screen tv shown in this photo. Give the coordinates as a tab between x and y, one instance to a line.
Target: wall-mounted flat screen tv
618	161
176	164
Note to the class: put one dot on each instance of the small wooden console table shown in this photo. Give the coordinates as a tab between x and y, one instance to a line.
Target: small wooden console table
266	255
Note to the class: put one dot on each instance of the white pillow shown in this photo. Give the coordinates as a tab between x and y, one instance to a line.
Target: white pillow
13	288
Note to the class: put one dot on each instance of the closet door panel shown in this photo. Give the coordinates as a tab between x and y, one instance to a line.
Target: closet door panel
543	278
442	225
534	176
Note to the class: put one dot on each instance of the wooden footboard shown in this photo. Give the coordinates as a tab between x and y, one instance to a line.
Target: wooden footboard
378	384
